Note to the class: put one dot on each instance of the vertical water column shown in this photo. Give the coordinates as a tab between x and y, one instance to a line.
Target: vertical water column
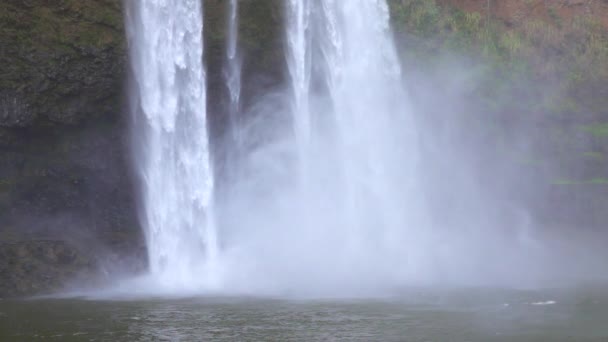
299	64
376	210
233	72
170	133
377	137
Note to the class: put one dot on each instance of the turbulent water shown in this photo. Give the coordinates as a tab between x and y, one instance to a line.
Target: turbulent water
331	197
170	130
325	192
358	208
471	315
324	226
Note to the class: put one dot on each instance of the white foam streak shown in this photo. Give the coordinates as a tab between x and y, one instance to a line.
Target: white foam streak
166	45
233	72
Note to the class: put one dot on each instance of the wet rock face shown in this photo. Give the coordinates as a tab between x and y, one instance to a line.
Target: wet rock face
61	61
14	110
40	267
261	49
71	184
64	152
65	181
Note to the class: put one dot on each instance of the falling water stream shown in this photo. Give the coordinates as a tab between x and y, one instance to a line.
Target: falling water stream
356	202
326	203
326	196
172	144
233	72
356	140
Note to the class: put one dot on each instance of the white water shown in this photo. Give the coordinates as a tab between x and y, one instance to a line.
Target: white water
172	144
326	205
328	197
233	72
299	65
327	202
359	210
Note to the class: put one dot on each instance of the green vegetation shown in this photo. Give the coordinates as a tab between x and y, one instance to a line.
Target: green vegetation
67	25
594	155
260	37
574	54
5	184
594	181
597	130
543	74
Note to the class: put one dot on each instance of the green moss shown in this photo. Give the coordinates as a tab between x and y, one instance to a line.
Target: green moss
54	50
542	72
594	155
420	16
565	182
527	160
578	51
261	32
594	181
597	130
6	184
552	12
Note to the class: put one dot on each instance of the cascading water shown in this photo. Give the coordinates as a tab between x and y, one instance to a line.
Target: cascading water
322	195
233	72
356	139
170	129
299	64
332	206
328	202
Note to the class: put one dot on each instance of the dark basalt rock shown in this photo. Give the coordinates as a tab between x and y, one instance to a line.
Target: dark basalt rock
65	182
41	267
62	62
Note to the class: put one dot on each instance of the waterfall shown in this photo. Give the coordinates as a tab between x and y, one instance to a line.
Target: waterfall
321	191
328	203
170	133
233	72
355	136
299	64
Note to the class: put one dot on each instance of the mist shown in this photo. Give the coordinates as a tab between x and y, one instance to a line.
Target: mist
370	168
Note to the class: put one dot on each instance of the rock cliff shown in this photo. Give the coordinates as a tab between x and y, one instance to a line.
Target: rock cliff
66	184
64	176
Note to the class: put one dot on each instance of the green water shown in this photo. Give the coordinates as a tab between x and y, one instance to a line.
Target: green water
463	315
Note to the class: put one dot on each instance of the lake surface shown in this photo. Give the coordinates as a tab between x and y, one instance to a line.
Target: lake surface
415	315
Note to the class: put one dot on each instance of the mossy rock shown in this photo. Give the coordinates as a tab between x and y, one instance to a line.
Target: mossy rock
35	267
60	61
